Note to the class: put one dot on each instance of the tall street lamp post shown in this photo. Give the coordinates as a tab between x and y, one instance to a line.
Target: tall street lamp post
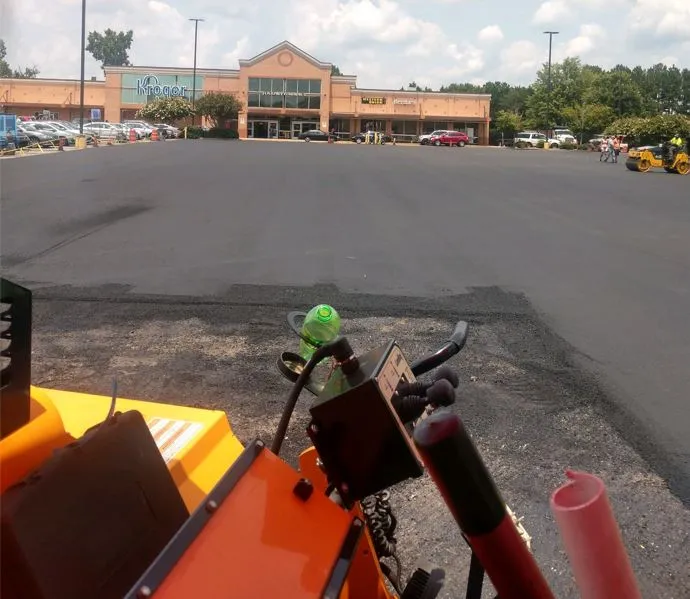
83	56
550	105
196	37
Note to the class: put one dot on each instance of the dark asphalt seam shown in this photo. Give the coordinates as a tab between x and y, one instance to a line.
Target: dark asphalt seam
391	312
58	245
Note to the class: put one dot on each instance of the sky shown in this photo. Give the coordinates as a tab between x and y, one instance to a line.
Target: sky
386	43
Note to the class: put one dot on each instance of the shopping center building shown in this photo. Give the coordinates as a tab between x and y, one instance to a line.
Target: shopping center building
284	91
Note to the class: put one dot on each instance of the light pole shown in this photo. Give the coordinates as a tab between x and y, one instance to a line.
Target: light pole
550	105
83	52
196	37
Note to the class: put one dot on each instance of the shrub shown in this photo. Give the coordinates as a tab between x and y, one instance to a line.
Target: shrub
541	143
217	133
195	132
568	146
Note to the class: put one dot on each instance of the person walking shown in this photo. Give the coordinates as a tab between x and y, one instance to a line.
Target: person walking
616	148
604	150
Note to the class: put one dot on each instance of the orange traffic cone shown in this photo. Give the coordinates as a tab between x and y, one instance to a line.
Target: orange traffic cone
154	135
132	136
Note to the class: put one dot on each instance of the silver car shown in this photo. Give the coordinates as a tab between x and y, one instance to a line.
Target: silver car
103	130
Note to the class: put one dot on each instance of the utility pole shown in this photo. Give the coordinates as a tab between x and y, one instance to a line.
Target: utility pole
196	36
83	56
550	105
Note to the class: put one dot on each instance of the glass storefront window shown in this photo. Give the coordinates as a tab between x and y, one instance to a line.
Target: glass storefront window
284	93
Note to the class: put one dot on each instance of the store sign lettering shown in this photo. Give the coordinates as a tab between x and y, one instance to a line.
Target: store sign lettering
282	93
150	86
405	101
367	100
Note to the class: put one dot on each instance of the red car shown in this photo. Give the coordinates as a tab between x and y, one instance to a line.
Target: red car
450	138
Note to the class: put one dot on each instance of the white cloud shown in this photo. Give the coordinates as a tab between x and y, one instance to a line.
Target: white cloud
519	57
551	11
671	18
586	41
380	41
490	33
329	22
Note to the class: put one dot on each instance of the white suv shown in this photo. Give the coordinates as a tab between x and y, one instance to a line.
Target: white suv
531	138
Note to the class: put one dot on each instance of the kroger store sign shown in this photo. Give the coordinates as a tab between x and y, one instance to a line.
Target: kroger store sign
151	86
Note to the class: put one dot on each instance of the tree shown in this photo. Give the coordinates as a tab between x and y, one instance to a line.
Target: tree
588	119
166	110
8	72
685	102
335	70
651	129
219	107
111	47
508	122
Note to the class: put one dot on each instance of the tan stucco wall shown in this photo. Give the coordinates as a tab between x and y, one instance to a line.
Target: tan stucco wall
415	106
26	96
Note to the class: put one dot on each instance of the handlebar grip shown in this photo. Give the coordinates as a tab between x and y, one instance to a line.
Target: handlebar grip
474	501
459	336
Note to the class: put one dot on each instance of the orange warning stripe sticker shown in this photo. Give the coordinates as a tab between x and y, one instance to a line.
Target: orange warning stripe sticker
171	436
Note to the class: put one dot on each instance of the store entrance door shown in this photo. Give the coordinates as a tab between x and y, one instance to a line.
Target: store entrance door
262	129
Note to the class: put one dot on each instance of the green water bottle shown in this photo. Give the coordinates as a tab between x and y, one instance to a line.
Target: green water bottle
321	325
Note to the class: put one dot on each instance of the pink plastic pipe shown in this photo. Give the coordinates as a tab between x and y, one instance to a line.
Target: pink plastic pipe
592	539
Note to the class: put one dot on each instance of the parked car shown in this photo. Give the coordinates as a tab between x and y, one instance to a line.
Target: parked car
104	131
315	135
57	132
424	139
20	140
561	135
43	138
529	138
70	129
142	129
450	138
362	137
168	131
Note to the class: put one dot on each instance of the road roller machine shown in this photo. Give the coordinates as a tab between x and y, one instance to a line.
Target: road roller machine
644	159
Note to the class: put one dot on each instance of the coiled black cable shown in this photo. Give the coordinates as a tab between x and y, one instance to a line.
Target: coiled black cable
382	523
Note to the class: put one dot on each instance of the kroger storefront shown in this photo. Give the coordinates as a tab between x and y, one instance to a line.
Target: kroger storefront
137	89
284	91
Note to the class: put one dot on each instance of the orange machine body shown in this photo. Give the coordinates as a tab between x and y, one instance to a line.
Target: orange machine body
261	540
264	540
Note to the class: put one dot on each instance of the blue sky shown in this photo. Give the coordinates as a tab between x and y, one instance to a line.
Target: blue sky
386	43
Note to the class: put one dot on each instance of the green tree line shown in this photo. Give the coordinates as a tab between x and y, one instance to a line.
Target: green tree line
585	98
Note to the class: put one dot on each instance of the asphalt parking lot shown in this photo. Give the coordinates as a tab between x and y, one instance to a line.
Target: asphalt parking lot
172	266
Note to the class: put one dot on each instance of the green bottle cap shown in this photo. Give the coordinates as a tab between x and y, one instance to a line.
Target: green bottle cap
324	313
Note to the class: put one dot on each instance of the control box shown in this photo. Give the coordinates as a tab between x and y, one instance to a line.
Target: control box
356	431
